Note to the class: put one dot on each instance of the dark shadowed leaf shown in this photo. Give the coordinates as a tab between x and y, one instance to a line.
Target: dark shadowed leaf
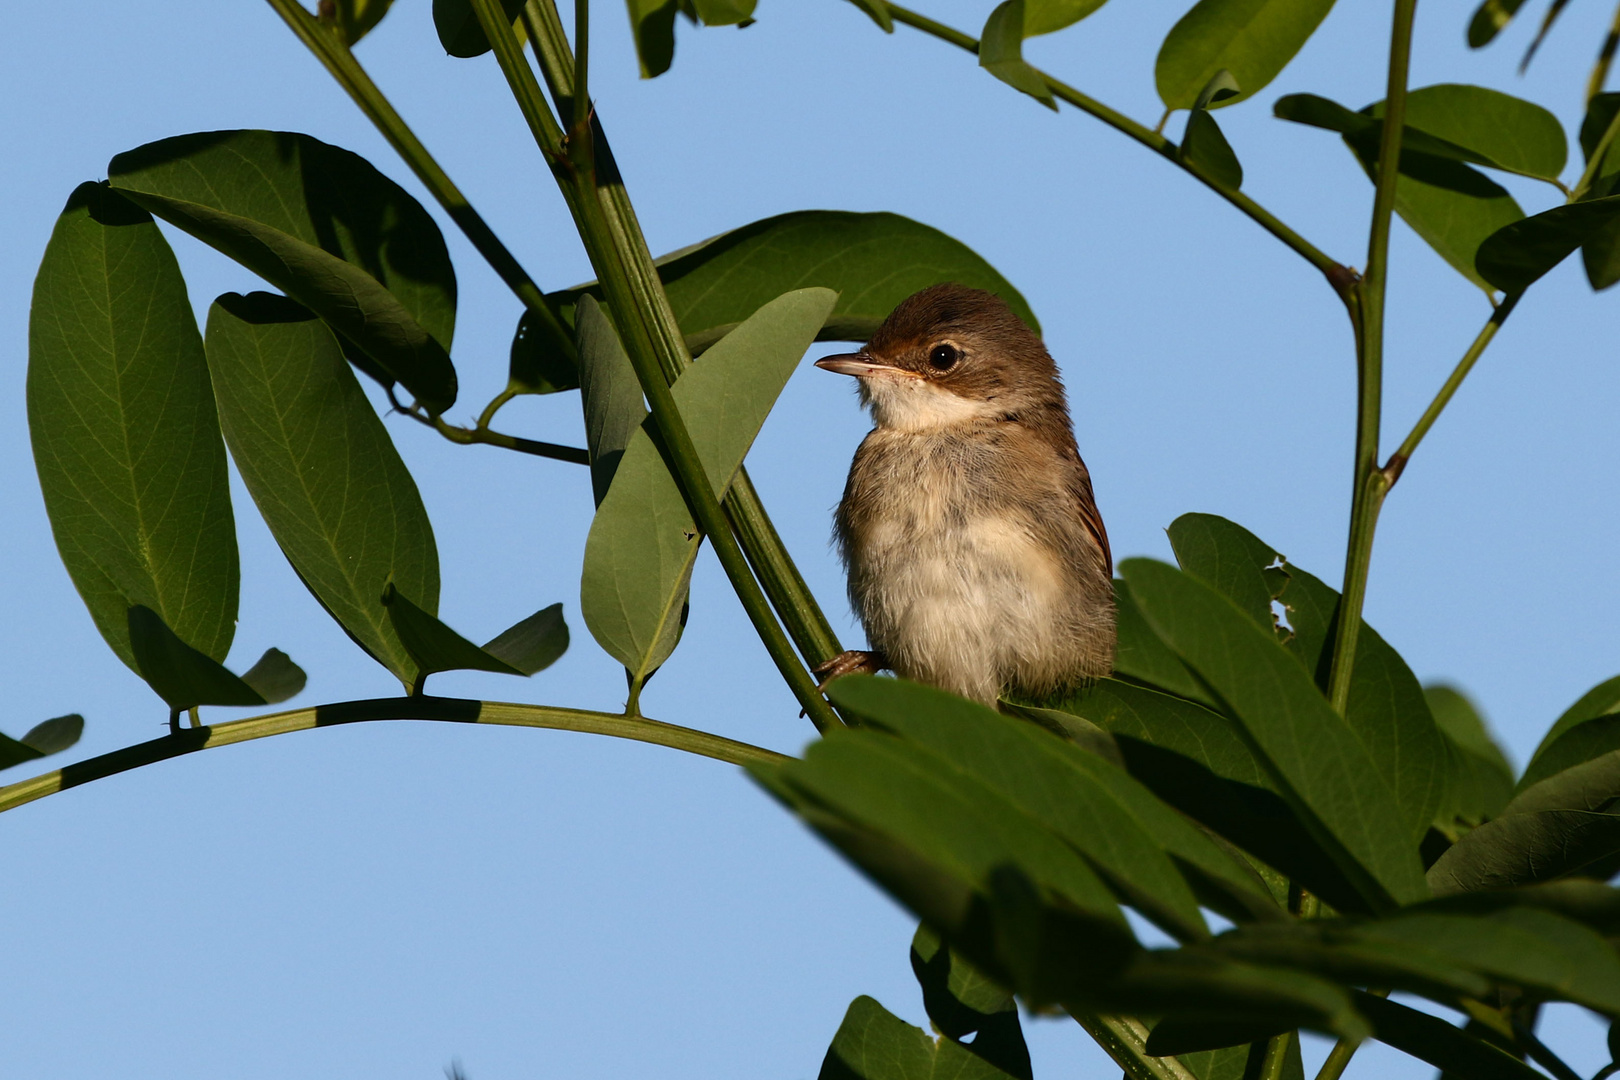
874	1044
533	644
609	393
433	645
873	261
177	673
1431	1039
321	468
275	677
963	1001
1324	771
1205	148
125	435
1489	19
1252	39
1001	53
323	226
1601	253
1234	1061
459	30
355	19
536	365
1514	257
643	542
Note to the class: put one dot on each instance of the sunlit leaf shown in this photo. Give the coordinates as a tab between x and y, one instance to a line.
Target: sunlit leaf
1489	19
643	541
874	1044
275	677
1001	53
321	468
323	226
124	431
1252	39
873	261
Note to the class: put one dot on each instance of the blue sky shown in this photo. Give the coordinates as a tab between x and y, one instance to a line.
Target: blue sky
374	901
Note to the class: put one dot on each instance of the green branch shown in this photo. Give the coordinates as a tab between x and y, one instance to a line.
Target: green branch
1125	1040
452	710
632	298
1338	275
1367	307
342	65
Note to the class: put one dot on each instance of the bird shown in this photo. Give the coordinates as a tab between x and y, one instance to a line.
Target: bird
977	561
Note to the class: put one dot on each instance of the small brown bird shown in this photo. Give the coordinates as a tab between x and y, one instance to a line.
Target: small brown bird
977	560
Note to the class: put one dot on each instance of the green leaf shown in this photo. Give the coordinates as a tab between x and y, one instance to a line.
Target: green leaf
356	18
1199	762
1482	781
1144	658
177	673
1323	769
1489	19
652	23
535	364
609	393
533	644
1452	207
43	739
1515	256
1601	701
1205	148
1240	1062
1001	53
1601	253
54	735
1053	782
458	27
275	677
1499	130
1048	16
1252	39
434	646
643	541
321	468
125	435
1230	559
1431	1039
963	1001
873	261
874	1044
323	226
878	12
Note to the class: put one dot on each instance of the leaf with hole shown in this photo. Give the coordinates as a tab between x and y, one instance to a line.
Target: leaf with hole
1252	39
1323	770
323	226
643	541
321	467
125	435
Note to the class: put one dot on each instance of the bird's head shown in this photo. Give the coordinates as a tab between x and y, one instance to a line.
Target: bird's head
951	355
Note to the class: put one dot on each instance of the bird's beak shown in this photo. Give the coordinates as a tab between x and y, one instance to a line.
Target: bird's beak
856	364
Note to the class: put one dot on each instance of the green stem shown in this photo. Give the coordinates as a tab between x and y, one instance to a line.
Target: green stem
767	556
1276	1056
1370	484
353	78
1338	1058
452	710
1125	1040
1397	461
1600	70
481	434
1337	274
498	402
622	291
582	53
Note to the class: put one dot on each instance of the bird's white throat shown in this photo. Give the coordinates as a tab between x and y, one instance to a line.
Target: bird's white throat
905	402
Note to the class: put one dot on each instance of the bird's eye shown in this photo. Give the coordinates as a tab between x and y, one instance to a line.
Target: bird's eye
944	357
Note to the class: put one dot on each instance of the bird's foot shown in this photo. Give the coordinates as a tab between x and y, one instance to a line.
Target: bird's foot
849	662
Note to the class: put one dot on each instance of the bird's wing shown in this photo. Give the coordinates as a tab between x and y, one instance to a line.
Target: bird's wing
1086	502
